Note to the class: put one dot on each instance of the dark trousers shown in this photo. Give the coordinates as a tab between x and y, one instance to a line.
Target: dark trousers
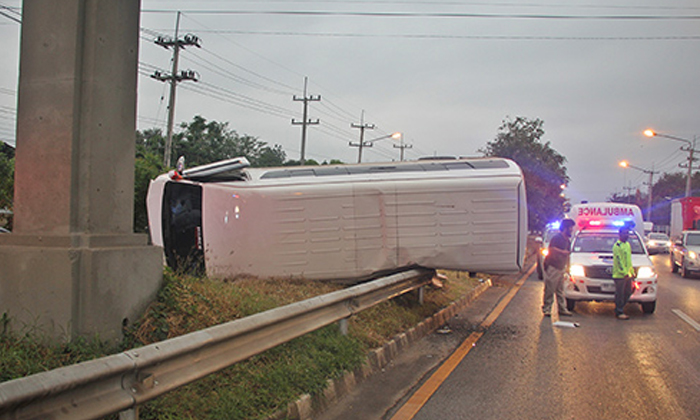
623	291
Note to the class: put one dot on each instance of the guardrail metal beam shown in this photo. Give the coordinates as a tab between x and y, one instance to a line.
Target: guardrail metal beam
119	382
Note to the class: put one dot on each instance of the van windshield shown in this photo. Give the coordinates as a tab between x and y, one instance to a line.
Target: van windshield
692	239
602	242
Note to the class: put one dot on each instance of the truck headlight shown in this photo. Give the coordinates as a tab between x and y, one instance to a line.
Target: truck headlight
577	270
645	272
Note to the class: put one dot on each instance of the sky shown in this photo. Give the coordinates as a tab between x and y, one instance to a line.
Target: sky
446	74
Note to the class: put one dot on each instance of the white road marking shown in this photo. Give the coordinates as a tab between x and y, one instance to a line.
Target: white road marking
687	319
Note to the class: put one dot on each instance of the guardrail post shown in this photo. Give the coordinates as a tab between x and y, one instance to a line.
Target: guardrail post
130	414
343	324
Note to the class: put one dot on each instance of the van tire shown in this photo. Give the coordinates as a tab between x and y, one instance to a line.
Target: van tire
674	267
648	307
685	273
570	304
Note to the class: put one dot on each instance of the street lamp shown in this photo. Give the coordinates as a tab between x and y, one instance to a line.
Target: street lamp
370	143
690	149
651	173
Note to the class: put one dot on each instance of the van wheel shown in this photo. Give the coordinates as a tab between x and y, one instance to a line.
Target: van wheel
674	267
570	304
684	270
648	307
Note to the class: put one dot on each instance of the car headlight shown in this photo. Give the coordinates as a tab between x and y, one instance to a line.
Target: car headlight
577	270
645	272
692	255
544	252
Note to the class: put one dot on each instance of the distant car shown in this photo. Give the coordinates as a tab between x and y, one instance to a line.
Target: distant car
3	230
684	254
549	233
658	243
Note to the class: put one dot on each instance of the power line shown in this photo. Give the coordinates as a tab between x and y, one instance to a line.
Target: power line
474	3
8	12
253	53
451	15
215	68
223	95
327	108
467	37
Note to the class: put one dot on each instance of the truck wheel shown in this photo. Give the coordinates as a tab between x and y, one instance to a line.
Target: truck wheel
674	267
570	304
648	307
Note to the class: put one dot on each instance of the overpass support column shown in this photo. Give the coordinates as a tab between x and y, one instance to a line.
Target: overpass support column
73	266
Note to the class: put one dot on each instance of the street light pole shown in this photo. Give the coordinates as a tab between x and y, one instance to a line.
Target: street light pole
370	143
690	149
651	173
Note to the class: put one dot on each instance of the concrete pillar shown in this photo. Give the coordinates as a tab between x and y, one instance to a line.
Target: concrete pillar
73	265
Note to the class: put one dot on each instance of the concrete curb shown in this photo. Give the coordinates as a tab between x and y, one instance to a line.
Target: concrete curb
307	406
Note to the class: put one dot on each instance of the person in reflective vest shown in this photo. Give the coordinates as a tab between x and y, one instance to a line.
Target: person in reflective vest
623	272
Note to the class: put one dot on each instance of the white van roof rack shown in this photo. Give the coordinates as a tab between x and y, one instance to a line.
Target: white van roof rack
204	172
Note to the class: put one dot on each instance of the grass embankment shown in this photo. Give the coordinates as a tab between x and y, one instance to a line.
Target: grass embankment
260	385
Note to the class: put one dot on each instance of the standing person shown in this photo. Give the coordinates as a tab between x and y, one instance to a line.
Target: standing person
555	265
623	272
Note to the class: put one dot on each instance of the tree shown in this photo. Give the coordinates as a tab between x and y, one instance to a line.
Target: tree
146	168
543	167
202	142
7	176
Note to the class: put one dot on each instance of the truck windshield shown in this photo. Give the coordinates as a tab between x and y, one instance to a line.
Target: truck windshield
693	240
602	242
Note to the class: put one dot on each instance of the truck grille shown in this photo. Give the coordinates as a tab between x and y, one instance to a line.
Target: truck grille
599	272
597	290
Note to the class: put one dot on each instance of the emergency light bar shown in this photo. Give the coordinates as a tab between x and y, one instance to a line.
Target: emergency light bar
554	225
601	223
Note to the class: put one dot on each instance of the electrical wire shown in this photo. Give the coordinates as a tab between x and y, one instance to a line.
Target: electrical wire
451	15
467	37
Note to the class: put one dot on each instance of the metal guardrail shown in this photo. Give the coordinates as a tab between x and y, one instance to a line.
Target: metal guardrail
123	381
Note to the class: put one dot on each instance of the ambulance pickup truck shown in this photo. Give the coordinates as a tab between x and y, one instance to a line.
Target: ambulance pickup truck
590	271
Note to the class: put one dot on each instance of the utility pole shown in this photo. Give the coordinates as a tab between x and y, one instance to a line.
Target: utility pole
305	120
174	77
362	126
402	147
691	150
651	186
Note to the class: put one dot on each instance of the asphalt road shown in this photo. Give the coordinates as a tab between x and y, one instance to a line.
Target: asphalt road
524	367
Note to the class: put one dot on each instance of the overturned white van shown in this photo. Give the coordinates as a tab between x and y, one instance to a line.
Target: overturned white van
341	222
